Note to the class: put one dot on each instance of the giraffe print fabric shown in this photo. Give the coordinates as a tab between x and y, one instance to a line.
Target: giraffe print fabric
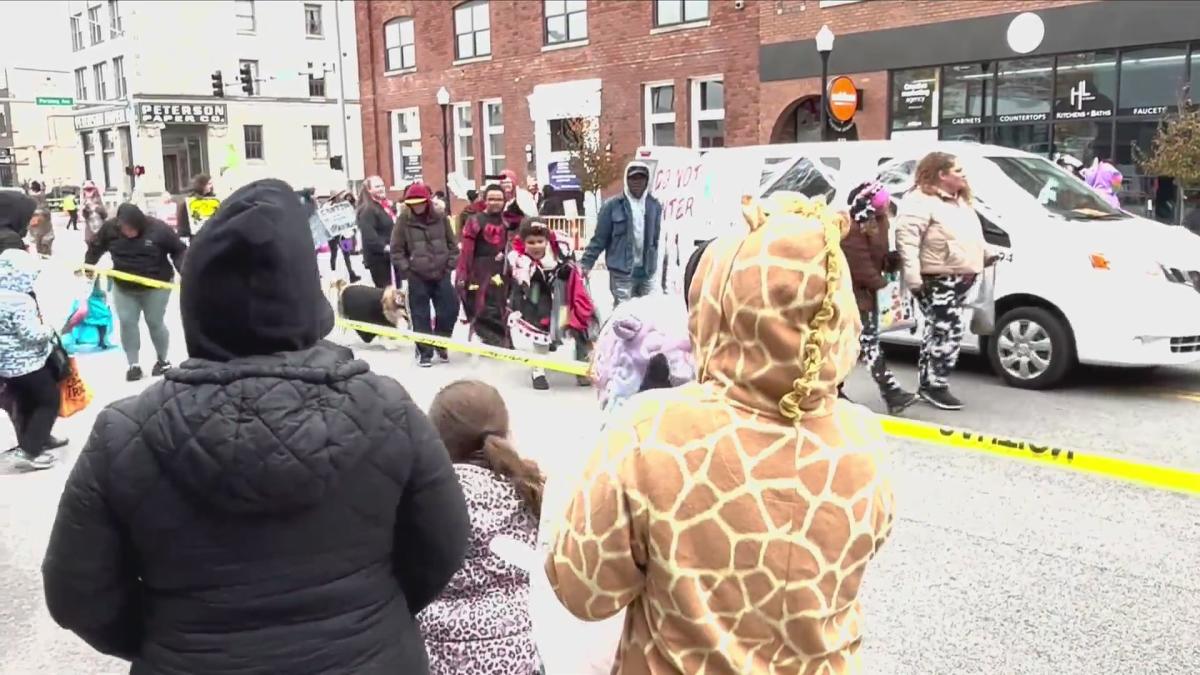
737	533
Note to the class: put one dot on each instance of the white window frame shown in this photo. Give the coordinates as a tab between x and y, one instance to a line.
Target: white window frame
100	74
81	91
490	130
320	34
652	117
107	156
88	141
115	24
122	87
322	150
566	15
412	136
77	32
475	30
405	64
699	115
825	4
324	87
683	20
461	134
95	25
238	16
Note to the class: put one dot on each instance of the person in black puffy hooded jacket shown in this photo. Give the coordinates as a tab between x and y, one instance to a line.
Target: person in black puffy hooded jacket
271	506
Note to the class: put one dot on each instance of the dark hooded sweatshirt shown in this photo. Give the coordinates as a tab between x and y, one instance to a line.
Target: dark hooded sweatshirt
155	253
15	211
271	506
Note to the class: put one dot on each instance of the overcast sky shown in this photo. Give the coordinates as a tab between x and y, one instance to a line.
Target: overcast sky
35	34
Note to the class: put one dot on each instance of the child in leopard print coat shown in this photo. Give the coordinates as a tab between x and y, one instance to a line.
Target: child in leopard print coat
480	623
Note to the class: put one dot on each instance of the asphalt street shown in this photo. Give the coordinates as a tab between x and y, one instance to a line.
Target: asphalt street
994	566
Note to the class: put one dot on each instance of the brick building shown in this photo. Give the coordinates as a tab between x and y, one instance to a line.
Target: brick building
708	73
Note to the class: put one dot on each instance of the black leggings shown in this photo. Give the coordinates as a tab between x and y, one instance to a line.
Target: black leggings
37	401
381	273
334	245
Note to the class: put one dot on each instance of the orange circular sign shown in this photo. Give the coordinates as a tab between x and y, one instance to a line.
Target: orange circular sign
843	99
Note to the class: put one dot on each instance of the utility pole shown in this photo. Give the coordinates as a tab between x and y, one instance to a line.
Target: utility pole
337	22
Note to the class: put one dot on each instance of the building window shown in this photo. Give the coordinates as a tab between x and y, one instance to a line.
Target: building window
99	71
660	114
675	12
1023	89
399	44
119	77
708	113
108	153
966	94
316	86
406	144
834	3
464	141
77	32
1151	80
493	133
563	133
244	15
472	30
914	99
3	125
116	26
566	21
81	92
95	28
1085	86
320	141
312	21
253	136
254	85
89	152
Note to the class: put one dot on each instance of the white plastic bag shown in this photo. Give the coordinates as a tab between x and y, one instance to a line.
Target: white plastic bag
983	305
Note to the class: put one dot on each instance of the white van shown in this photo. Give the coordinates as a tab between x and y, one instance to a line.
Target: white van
1078	281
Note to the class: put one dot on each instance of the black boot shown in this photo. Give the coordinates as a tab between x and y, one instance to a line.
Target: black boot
898	401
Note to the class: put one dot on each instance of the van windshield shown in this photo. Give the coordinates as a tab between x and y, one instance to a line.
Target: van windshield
1056	190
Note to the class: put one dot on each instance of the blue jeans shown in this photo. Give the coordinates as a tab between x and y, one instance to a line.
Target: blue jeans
628	286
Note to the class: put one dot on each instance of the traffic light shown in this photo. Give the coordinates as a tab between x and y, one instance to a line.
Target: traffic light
139	170
335	162
247	77
218	84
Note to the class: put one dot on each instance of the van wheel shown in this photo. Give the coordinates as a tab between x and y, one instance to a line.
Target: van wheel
1031	348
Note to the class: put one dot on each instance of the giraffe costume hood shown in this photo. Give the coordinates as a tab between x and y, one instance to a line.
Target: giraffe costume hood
734	517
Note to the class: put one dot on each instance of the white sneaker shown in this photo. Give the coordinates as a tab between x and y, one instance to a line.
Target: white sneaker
21	460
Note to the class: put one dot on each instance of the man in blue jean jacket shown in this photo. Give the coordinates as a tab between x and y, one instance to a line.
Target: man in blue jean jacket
627	230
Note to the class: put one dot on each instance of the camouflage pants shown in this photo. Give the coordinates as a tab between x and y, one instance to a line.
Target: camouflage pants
941	300
871	355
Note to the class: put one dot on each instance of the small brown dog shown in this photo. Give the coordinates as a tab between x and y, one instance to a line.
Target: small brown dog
386	307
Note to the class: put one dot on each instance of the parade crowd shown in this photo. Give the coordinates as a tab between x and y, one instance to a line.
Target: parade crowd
271	505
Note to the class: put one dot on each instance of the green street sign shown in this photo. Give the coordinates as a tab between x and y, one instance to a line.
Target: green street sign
55	100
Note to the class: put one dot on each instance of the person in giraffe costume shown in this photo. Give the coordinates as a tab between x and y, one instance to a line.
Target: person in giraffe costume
734	517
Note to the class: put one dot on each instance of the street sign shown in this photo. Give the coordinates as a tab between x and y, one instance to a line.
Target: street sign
55	100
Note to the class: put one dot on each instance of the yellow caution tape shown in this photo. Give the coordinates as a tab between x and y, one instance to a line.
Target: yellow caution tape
1118	468
1128	470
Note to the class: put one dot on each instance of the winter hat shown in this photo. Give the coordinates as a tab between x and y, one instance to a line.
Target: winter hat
250	281
866	199
417	193
645	344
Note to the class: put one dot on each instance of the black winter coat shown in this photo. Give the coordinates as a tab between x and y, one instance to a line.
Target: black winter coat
424	247
376	227
145	255
268	515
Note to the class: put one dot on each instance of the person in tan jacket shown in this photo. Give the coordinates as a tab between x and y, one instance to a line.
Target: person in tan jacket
734	516
941	244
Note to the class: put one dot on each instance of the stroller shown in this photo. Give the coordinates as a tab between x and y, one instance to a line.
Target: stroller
89	325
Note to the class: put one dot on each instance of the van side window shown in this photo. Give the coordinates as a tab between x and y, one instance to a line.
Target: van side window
804	177
832	162
993	233
898	177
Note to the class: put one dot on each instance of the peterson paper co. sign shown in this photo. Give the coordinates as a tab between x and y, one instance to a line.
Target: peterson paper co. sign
108	118
181	113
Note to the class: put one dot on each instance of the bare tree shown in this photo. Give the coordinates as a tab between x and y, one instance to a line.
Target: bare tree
1175	151
590	160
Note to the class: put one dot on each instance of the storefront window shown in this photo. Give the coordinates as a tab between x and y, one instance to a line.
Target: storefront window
914	98
1195	89
1151	80
967	93
1084	140
1150	196
1033	138
976	134
1023	89
1086	86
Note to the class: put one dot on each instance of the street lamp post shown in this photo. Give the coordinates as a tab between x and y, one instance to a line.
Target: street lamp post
824	48
443	100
